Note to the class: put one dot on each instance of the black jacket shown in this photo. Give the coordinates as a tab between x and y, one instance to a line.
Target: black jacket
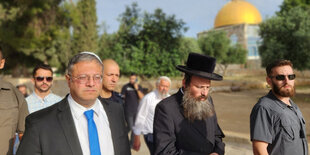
176	135
51	131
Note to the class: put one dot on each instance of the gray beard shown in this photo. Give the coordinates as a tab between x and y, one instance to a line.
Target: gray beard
195	109
162	95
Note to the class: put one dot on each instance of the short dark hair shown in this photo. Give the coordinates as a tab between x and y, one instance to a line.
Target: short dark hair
277	63
41	66
133	74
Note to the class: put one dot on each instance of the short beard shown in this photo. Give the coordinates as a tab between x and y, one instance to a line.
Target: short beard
283	92
42	90
162	95
194	109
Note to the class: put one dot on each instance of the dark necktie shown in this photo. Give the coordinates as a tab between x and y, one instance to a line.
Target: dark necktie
94	146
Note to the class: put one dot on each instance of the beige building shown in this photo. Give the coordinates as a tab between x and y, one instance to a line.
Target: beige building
240	20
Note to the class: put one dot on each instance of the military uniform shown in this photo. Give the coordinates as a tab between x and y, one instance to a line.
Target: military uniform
13	111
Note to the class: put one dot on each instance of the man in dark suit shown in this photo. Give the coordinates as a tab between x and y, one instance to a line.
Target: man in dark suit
185	123
80	124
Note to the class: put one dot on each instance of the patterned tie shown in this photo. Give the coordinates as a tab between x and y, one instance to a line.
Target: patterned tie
92	133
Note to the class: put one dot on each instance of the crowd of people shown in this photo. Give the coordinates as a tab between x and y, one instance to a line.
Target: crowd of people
94	119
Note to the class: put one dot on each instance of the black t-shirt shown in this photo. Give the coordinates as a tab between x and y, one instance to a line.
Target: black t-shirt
116	97
131	99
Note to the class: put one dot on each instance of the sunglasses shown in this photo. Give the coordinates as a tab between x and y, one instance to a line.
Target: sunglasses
41	78
282	77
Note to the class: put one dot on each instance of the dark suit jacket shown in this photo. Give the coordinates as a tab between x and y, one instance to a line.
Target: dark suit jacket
174	134
51	131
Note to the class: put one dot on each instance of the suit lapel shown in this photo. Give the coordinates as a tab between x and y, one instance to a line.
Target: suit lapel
66	121
107	108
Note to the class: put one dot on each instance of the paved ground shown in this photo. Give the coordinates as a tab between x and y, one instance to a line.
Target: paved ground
233	110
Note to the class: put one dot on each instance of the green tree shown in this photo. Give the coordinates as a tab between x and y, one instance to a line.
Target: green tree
287	37
236	54
130	26
85	35
188	45
160	39
33	31
289	4
217	44
122	45
147	44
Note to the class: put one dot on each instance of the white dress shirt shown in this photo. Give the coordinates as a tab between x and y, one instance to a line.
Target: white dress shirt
145	116
102	124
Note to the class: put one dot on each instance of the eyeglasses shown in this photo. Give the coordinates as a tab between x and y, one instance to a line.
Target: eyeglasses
82	79
41	78
282	77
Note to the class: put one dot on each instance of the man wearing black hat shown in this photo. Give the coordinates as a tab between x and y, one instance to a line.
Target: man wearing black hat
185	123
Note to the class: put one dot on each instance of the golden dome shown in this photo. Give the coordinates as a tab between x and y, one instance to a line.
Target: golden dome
237	12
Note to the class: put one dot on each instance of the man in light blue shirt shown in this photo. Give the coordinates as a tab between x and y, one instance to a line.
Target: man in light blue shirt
42	96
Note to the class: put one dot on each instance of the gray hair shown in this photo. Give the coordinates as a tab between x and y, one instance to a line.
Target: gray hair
166	78
83	56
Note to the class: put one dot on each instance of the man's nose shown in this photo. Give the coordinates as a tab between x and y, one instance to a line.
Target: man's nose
114	77
204	91
90	81
286	79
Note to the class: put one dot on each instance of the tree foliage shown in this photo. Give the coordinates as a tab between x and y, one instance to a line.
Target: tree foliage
148	44
287	37
85	35
218	45
34	31
188	45
46	31
289	4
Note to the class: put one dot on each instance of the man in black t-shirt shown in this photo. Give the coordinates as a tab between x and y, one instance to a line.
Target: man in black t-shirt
132	93
111	75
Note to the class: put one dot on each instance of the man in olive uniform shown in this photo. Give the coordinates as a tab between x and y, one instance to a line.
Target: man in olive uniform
13	111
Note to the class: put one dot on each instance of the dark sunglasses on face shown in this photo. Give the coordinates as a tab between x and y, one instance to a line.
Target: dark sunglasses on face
282	77
41	78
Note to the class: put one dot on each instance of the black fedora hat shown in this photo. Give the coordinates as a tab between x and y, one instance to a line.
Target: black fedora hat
200	65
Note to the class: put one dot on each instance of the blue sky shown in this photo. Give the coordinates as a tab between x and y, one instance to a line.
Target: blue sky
198	15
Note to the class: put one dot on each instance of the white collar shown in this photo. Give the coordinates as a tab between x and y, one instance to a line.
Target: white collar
78	110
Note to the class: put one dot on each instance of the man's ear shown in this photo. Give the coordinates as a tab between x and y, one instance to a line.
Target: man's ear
2	62
183	83
32	80
268	80
68	79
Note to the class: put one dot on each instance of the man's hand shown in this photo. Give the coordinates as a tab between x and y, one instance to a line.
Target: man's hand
140	94
214	153
136	86
136	143
20	135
